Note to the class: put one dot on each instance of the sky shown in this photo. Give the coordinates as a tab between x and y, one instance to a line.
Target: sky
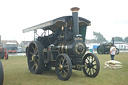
109	17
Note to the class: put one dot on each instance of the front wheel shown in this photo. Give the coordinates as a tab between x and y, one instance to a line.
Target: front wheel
92	65
63	67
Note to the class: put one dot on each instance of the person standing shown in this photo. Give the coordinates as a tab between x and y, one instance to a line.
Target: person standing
112	52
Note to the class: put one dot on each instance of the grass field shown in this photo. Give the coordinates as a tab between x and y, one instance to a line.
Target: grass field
16	73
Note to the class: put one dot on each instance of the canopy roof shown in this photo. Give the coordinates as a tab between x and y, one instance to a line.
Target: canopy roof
53	25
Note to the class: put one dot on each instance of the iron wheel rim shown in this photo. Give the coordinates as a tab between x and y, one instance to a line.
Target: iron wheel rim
34	58
63	67
92	65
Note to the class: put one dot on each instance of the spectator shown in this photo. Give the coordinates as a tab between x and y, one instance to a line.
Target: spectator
112	52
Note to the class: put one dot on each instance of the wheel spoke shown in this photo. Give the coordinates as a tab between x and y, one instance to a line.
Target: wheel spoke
59	62
89	57
35	52
94	68
37	60
31	53
36	65
90	71
63	60
65	72
33	66
66	66
93	61
85	62
92	58
88	60
31	61
86	68
94	64
67	69
60	72
33	48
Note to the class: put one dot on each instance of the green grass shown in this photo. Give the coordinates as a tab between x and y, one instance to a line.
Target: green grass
16	73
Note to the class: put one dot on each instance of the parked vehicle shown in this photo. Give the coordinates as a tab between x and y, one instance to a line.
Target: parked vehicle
105	48
64	49
19	50
11	47
3	53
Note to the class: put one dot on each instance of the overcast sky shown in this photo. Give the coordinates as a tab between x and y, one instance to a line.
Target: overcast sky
109	17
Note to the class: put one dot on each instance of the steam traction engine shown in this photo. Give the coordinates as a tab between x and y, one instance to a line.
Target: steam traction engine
62	46
105	48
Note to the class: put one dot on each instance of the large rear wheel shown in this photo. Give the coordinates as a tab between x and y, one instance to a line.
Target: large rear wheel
92	65
35	58
1	74
63	67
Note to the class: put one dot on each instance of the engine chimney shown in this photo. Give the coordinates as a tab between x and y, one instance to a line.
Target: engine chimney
75	20
113	40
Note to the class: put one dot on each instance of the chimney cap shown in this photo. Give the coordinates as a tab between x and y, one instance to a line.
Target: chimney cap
75	9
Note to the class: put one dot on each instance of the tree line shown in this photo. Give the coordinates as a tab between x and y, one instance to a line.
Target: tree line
99	38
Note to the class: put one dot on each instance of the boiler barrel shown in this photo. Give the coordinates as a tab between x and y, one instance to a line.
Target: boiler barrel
77	48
